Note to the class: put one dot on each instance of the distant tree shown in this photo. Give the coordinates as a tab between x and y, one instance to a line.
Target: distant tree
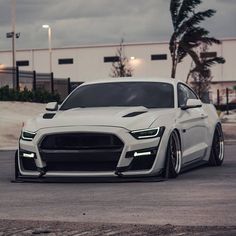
200	74
121	67
188	35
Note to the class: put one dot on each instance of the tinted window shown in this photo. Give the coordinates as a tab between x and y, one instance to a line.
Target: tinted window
65	61
208	54
111	59
147	94
157	57
22	63
185	93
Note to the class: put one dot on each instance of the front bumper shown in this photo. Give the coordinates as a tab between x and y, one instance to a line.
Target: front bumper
125	164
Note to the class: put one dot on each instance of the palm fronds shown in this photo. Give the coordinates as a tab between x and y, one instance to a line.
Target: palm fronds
188	35
174	9
187	7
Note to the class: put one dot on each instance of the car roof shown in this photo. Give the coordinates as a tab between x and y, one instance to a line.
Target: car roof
135	79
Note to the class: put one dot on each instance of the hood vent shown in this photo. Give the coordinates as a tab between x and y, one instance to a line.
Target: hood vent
136	113
48	115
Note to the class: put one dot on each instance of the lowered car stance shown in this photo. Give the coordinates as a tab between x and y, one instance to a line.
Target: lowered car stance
121	128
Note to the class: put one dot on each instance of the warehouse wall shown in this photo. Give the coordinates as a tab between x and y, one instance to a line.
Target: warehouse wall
88	61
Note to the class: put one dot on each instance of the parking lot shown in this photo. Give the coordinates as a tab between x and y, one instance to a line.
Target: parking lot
205	196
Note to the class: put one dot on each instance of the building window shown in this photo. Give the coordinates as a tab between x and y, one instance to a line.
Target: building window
208	54
65	61
158	57
22	63
111	59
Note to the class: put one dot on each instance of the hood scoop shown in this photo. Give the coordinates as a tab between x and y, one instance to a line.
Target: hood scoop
133	111
136	113
48	115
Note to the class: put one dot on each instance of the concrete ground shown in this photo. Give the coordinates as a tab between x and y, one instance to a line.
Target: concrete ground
201	197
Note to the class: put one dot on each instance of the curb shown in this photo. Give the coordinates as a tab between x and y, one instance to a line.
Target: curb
228	123
230	142
9	148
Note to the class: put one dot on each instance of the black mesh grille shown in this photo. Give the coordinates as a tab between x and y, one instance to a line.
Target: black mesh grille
81	166
27	163
81	141
81	152
142	163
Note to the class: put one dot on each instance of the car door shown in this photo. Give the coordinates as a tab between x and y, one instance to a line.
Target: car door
193	126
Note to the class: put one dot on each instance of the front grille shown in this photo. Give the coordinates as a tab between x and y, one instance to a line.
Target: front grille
81	152
81	141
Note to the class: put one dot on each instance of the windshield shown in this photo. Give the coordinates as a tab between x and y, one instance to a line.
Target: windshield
125	94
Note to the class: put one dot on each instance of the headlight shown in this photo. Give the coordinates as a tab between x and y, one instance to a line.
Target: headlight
148	133
27	136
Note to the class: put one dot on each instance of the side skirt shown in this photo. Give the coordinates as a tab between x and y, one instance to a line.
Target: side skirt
193	165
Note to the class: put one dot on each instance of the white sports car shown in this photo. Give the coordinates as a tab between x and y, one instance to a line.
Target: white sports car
124	127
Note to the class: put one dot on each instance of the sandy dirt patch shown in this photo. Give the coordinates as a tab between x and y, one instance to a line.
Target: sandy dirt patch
12	115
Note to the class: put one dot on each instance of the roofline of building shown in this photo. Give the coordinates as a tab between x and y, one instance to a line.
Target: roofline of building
90	46
105	45
223	81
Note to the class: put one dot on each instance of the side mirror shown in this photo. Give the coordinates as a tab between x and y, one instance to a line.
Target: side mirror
52	106
192	103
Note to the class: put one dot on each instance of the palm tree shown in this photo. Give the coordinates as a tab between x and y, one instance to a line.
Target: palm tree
201	73
188	35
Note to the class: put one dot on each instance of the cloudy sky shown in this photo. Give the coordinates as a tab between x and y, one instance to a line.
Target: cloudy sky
79	22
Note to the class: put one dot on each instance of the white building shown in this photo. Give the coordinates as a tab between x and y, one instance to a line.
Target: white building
84	63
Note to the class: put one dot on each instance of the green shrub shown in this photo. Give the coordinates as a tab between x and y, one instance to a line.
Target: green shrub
40	95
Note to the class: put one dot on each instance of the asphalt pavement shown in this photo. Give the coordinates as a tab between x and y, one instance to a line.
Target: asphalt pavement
204	196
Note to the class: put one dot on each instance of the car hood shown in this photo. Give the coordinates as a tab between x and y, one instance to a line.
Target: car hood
130	118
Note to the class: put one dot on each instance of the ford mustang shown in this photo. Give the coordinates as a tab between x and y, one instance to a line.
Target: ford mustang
122	127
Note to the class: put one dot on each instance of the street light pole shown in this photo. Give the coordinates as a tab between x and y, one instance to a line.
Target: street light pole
49	45
13	18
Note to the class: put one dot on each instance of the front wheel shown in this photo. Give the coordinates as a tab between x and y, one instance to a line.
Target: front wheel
173	156
217	149
17	172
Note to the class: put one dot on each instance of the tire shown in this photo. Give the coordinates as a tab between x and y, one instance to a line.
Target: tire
217	149
173	156
17	173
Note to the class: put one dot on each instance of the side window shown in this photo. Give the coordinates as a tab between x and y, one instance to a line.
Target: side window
184	93
191	94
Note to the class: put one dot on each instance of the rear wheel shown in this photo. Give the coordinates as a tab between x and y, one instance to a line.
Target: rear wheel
217	149
173	156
